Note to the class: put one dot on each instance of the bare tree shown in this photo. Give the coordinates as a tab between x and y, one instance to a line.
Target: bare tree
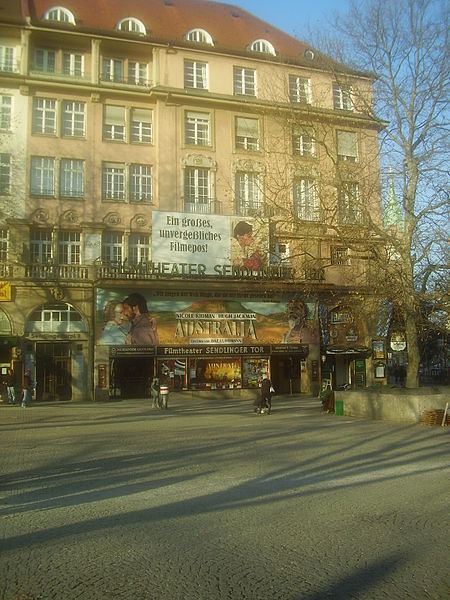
404	45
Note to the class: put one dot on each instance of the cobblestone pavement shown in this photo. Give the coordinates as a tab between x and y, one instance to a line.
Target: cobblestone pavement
210	501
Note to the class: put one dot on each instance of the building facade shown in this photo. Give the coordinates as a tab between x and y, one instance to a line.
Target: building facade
199	158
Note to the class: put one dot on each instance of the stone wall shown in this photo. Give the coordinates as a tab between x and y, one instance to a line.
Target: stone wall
393	404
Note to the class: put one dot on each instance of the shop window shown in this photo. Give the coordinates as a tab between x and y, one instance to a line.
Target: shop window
215	374
254	370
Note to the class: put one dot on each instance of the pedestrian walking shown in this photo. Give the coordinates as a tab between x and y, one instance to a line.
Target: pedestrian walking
27	388
10	386
266	396
154	392
164	396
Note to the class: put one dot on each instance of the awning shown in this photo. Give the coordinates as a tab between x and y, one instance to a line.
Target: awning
348	350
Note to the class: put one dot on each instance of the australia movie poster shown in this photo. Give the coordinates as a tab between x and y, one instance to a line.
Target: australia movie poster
143	318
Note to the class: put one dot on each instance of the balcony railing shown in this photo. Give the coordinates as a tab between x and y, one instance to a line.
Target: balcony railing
9	66
210	207
59	74
126	81
57	272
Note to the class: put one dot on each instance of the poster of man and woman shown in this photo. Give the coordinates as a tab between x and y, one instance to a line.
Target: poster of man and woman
143	318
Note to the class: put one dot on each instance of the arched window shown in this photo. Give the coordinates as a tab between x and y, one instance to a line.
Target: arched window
131	25
56	318
262	46
60	14
200	36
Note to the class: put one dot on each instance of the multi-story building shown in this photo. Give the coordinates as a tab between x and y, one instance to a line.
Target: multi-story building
188	152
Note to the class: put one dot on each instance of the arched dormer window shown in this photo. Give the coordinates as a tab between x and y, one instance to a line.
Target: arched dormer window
262	46
60	14
131	25
200	36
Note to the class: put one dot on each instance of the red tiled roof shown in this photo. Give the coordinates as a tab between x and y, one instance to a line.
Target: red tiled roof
231	28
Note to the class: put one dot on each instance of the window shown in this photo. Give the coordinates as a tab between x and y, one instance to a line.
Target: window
7	59
112	247
305	200
58	13
4	239
137	73
69	248
5	113
247	133
5	173
262	46
58	318
139	249
73	119
299	90
112	69
73	64
41	246
196	188
347	146
248	193
195	75
303	142
349	208
244	81
140	183
197	129
141	125
342	97
200	36
339	256
44	115
113	181
114	123
131	25
42	176
45	60
71	184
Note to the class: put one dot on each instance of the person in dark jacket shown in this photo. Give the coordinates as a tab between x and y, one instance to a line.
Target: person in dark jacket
264	403
10	387
27	388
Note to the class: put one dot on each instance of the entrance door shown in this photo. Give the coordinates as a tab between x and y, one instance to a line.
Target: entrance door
285	374
53	371
131	376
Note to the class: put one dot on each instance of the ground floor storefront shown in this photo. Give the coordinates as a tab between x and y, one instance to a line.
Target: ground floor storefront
80	344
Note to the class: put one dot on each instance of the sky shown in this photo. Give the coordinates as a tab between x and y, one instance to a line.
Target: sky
292	16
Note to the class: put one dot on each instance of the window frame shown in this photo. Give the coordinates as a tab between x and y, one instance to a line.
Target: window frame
114	181
114	131
45	67
306	199
72	125
68	172
139	248
68	248
6	112
196	74
347	140
245	142
248	193
73	69
197	128
342	97
46	173
41	246
201	35
8	63
298	94
112	250
140	183
242	86
303	141
349	209
44	116
197	185
4	244
5	173
138	128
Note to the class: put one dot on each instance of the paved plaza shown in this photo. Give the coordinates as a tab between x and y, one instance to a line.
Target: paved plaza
210	501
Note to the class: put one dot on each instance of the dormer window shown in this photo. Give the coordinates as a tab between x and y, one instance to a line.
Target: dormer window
262	46
60	14
131	25
200	36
